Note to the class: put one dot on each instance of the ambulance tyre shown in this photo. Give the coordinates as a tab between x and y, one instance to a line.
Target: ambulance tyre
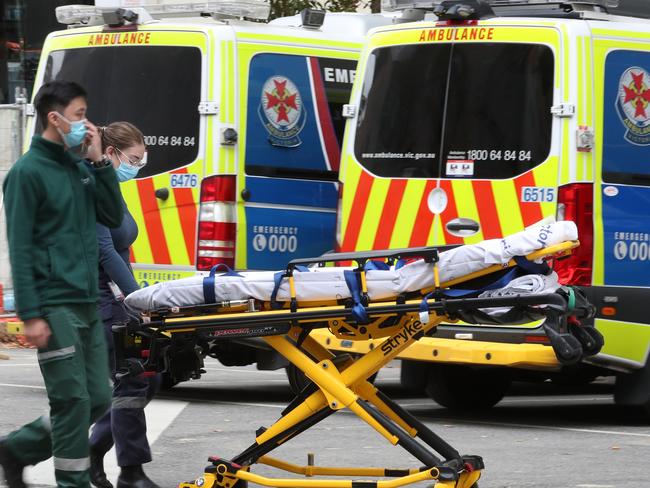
633	389
413	375
167	381
459	387
298	381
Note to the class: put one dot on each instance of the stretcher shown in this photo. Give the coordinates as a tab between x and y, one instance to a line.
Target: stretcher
177	337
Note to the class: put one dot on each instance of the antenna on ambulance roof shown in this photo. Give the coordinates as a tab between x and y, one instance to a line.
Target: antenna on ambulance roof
123	12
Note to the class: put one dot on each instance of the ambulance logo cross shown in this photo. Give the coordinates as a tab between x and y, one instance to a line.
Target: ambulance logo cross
281	99
632	105
637	94
281	111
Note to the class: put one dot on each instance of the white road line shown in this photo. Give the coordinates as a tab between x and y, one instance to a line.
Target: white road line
19	364
526	400
38	387
557	400
160	414
234	370
245	404
547	427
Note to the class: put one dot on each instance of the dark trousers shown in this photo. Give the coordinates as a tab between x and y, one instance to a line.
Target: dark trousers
124	424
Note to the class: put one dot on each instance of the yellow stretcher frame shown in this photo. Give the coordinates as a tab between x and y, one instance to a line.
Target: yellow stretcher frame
339	383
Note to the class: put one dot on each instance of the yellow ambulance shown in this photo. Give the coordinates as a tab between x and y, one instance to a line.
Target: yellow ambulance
480	118
242	121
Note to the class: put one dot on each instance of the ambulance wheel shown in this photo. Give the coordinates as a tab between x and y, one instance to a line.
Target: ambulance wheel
167	381
413	375
298	381
465	388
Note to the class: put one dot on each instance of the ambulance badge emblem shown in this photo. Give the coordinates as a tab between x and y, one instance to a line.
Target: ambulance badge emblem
282	112
633	105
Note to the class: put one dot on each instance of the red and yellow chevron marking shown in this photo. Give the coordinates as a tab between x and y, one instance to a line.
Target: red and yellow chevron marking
383	213
166	229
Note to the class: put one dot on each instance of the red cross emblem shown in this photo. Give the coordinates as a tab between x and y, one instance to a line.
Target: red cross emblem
638	94
281	100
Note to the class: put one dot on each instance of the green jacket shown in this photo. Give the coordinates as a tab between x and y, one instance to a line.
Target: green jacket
53	202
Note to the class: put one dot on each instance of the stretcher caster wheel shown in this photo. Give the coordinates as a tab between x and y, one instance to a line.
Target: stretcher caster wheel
590	338
465	388
567	348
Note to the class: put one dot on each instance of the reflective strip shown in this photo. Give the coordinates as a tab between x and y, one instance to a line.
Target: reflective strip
129	402
216	254
59	353
47	422
218	212
66	464
216	243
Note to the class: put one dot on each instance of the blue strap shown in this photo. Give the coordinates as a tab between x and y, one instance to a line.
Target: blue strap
500	283
460	293
353	281
400	263
208	282
376	266
277	280
228	272
531	267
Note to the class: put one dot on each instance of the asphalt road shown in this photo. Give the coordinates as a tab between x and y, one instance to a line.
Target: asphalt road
538	436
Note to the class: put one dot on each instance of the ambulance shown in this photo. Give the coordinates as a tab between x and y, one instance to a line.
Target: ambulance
481	118
242	122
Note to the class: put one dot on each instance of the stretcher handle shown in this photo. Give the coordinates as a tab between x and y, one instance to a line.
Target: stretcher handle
555	302
427	253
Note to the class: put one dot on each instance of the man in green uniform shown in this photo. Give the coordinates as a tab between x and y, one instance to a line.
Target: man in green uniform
53	200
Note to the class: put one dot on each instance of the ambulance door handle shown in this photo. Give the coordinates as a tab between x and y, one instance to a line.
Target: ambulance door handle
162	193
462	227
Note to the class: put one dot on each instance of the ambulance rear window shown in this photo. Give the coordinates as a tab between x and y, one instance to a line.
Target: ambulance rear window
157	88
484	107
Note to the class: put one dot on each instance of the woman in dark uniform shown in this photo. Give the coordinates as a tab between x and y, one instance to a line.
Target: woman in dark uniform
124	424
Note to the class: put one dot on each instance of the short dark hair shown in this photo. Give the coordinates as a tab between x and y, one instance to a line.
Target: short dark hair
56	96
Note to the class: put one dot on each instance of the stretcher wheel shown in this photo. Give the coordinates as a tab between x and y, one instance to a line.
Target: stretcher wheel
465	388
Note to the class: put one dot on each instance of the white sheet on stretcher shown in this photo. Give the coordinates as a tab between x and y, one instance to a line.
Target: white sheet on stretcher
323	284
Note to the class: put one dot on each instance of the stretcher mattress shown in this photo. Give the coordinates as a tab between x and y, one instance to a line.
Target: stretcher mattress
329	283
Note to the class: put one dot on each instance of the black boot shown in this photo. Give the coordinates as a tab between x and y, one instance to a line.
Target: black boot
134	477
97	474
12	468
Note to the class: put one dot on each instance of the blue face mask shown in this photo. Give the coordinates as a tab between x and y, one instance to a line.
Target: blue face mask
77	132
126	172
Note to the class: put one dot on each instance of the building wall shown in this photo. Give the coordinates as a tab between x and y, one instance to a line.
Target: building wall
10	148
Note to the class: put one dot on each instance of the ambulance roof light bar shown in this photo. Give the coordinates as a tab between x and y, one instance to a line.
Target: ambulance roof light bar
146	10
463	10
459	9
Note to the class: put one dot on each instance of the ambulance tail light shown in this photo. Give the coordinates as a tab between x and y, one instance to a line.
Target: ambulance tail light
575	202
217	222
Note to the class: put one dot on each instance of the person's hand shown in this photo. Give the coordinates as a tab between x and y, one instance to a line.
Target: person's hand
94	142
37	332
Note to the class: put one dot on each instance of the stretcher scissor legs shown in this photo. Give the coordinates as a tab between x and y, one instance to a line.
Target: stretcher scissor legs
337	385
